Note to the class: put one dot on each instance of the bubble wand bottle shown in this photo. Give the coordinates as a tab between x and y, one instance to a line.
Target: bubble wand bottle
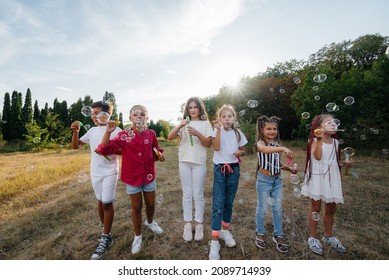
190	136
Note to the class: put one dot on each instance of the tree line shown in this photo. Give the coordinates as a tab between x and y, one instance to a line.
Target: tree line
295	90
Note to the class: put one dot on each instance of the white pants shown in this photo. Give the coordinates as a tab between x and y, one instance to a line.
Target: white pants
192	179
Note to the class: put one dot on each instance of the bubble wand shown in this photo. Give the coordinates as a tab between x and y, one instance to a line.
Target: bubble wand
347	152
190	136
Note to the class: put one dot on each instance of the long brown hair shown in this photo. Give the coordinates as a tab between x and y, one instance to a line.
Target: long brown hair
202	113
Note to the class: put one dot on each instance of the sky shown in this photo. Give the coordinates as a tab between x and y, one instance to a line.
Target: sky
159	53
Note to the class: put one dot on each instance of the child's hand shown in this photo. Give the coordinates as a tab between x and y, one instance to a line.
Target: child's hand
288	153
75	126
318	132
238	153
345	164
192	131
216	124
161	158
111	126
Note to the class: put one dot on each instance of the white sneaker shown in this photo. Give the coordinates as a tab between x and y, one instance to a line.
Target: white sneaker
136	244
315	245
214	250
154	227
227	237
334	242
187	232
199	232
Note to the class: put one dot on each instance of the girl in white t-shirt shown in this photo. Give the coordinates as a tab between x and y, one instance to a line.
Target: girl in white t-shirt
103	170
195	133
228	142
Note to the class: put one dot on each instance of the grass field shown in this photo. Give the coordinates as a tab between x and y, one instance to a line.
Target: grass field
48	211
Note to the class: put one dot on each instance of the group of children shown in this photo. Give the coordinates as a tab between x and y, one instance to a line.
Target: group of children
139	149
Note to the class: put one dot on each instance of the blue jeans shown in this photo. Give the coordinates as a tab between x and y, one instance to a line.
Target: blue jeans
225	187
269	188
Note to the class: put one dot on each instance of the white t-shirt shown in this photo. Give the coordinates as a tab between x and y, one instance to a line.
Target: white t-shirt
100	166
196	153
228	146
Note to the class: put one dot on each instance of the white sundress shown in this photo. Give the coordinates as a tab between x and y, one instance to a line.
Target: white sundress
325	182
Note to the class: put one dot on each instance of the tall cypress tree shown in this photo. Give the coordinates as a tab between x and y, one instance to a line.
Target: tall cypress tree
16	116
37	111
6	118
27	111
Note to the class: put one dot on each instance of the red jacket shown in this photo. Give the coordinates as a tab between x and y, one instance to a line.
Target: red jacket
138	157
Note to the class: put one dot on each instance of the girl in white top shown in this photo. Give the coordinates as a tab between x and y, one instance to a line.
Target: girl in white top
195	133
228	142
323	181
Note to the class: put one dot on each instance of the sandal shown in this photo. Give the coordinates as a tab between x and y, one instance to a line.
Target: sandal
260	243
281	247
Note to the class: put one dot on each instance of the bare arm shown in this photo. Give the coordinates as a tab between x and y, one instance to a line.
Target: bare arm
261	147
318	144
75	127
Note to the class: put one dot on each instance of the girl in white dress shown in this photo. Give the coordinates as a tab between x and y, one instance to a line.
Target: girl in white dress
323	181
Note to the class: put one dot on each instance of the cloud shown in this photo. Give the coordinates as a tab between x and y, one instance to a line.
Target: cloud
64	89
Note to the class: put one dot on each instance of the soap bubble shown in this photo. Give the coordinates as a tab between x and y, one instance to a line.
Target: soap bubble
305	115
103	117
30	168
294	179
320	78
252	103
281	90
159	198
331	107
241	113
36	140
271	89
86	111
385	151
315	88
317	97
203	117
362	137
82	177
296	80
349	100
315	216
296	191
355	174
387	52
348	151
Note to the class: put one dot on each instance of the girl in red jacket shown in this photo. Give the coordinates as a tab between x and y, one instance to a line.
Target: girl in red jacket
140	149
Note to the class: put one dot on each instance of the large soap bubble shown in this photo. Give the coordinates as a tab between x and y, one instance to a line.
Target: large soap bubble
86	111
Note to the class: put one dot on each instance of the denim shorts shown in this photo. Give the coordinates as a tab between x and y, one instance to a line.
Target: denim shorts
145	188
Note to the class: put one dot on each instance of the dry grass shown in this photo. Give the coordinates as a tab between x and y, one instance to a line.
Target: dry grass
47	214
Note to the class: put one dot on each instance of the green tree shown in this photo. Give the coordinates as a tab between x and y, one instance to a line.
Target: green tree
27	115
110	96
6	118
36	137
16	127
37	111
165	128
